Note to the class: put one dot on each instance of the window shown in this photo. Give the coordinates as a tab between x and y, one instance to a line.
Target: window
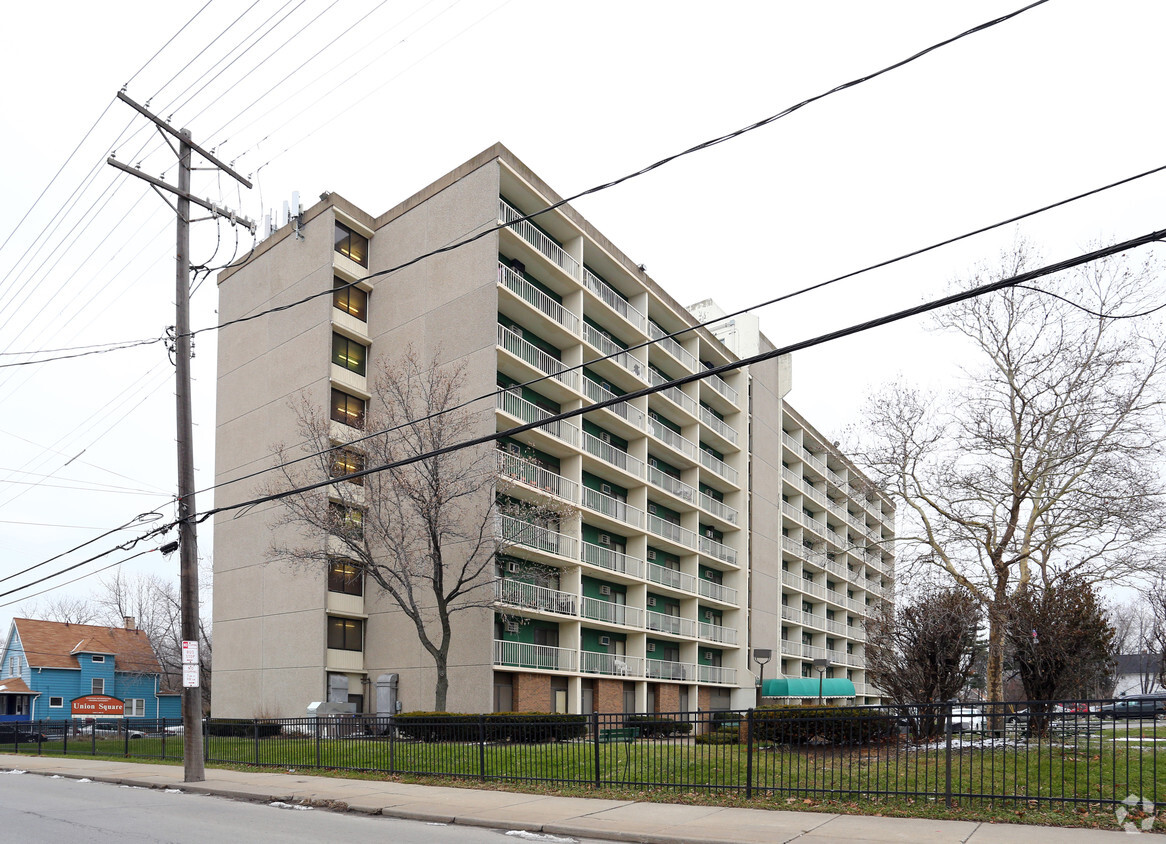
346	521
345	634
346	409
56	702
14	666
350	299
135	707
98	687
351	244
345	577
348	353
99	659
345	461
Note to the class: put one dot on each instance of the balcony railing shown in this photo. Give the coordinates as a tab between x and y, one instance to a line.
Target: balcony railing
608	453
718	466
665	434
661	669
612	613
717	633
527	596
673	348
718	508
718	384
715	591
672	531
524	655
517	532
718	550
802	584
610	349
596	393
536	357
615	665
612	299
716	674
674	394
674	624
538	300
718	425
541	242
672	578
612	507
616	561
514	468
519	407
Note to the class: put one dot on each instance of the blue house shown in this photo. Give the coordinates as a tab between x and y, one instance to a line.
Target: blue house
46	665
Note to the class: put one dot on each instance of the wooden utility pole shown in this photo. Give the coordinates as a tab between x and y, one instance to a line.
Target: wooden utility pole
192	746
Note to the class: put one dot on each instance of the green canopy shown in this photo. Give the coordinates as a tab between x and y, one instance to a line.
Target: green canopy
807	687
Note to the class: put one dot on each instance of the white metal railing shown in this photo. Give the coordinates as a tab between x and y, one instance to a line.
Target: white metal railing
537	299
718	425
674	624
836	597
802	584
519	532
838	657
794	547
791	443
662	669
514	468
855	605
616	561
718	466
813	651
834	478
610	612
536	357
665	576
716	674
716	591
790	648
813	461
788	613
609	348
673	348
596	393
792	511
717	633
674	394
616	665
541	242
608	453
671	484
718	384
666	435
718	550
528	596
816	494
525	655
612	299
612	507
672	531
523	410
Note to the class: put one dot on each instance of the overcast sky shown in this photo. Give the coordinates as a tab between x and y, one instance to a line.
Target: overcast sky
375	100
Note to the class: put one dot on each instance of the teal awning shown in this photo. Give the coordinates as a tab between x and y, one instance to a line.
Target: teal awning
800	687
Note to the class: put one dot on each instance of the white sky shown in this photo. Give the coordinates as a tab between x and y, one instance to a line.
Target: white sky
1060	100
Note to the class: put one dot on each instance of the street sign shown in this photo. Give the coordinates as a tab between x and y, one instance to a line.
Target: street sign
189	652
190	676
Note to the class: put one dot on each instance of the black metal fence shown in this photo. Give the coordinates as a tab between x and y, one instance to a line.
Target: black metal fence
1067	753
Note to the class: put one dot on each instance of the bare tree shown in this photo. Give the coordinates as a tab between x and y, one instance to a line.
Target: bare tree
1042	462
66	610
427	534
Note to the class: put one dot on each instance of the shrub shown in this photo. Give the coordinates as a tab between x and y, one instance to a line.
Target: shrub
821	725
518	727
724	735
240	728
653	727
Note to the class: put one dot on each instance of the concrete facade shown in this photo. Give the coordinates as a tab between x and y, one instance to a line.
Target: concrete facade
688	512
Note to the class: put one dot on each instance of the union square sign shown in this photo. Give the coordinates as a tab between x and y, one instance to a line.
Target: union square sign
97	706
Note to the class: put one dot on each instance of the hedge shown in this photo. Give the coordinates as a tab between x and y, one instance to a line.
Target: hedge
653	727
238	728
723	735
821	725
519	727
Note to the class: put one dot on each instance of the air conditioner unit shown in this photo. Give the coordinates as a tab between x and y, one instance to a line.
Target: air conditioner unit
653	463
604	437
651	647
652	509
708	654
710	533
708	614
651	554
514	448
710	575
512	568
605	489
605	589
651	601
605	386
512	627
604	539
604	641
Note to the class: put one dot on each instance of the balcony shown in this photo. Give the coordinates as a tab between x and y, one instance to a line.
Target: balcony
801	584
672	531
716	674
669	344
616	561
675	395
513	468
613	351
717	633
666	435
673	624
527	596
538	241
610	612
613	665
718	550
617	457
517	532
718	508
672	578
661	669
727	432
538	300
625	411
526	412
718	466
612	507
718	384
691	495
716	592
613	300
535	657
535	357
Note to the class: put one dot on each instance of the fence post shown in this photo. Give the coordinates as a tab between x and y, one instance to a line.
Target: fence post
749	755
482	747
126	728
947	754
595	740
392	745
316	731
40	734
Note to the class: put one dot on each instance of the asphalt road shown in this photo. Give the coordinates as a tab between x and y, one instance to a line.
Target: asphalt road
50	810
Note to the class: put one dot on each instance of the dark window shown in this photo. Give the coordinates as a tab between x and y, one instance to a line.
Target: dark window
347	409
348	353
345	577
350	299
346	521
98	686
345	461
99	659
352	245
56	702
345	634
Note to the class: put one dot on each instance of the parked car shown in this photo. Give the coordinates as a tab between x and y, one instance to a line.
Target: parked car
14	732
1134	707
967	719
1071	709
109	731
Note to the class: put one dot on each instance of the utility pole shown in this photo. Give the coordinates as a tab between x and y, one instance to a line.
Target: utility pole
192	742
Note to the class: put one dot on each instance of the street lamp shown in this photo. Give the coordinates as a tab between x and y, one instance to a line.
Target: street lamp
762	656
820	665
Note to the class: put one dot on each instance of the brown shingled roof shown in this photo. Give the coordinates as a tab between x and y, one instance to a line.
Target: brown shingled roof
15	686
53	644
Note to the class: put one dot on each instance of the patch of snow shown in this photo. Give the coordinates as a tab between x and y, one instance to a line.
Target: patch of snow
16	772
83	779
172	791
279	804
539	836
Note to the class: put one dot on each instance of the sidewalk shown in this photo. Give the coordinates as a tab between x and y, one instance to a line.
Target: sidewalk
615	820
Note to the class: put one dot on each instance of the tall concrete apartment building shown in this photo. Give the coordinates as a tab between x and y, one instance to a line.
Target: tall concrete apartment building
703	521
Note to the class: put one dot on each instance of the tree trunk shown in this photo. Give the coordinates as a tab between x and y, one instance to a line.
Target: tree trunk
995	670
441	690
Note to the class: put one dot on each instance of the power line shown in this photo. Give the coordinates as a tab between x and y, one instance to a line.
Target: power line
132	344
75	579
167	44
